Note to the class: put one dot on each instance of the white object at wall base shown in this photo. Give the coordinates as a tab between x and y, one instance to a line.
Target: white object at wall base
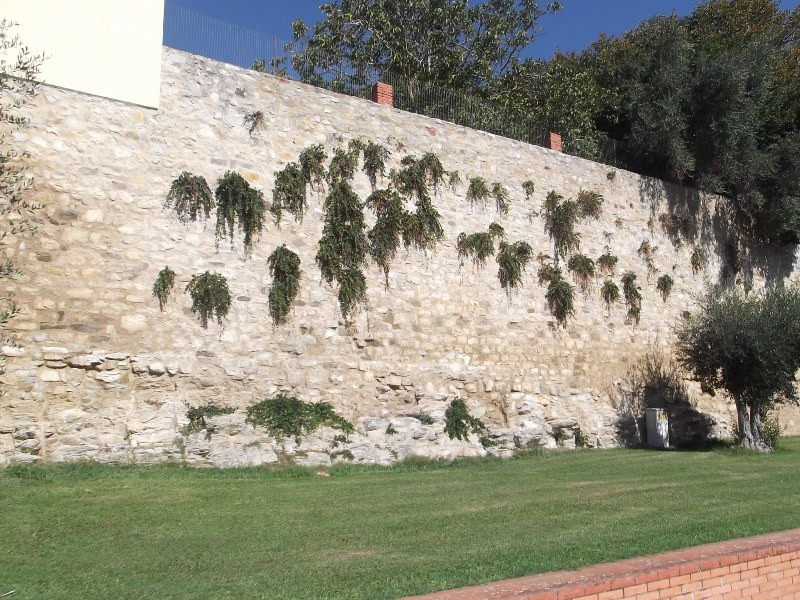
657	428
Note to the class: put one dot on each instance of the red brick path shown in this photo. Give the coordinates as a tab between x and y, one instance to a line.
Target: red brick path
765	567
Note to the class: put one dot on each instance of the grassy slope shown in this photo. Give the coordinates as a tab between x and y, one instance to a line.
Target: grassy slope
168	532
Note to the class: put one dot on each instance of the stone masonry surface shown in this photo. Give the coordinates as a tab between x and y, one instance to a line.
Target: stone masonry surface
101	373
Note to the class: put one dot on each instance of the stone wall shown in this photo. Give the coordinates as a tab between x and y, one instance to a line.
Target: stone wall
101	373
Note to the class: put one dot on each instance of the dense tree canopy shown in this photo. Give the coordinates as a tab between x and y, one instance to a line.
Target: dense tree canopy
455	42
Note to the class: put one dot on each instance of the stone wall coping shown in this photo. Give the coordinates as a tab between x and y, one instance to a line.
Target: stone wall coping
605	577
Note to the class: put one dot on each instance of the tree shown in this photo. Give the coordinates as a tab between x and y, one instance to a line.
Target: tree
452	42
748	346
18	72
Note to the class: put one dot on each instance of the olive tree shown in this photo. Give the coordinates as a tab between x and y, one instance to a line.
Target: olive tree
748	345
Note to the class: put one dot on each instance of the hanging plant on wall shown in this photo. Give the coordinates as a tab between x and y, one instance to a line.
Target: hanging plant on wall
477	246
312	166
633	296
344	163
422	229
606	263
698	260
289	193
239	204
529	188
496	231
385	237
375	157
254	121
664	286
284	267
291	184
548	273
590	204
163	285
210	297
582	268
190	197
512	260
343	247
560	299
501	198
453	179
609	293
477	191
560	217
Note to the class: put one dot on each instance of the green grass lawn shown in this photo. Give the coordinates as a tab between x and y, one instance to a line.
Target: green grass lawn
88	531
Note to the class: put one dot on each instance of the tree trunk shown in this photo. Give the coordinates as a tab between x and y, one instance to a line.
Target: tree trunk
750	429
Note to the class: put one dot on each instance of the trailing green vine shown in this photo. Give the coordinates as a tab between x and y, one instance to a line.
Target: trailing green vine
501	198
375	157
312	165
163	285
664	286
633	296
560	217
239	204
512	260
477	191
698	260
548	273
496	231
210	297
190	197
343	246
286	416
344	163
582	268
284	267
590	204
459	423
609	293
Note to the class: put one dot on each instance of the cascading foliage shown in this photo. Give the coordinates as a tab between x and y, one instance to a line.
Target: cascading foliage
210	297
190	197
239	204
284	267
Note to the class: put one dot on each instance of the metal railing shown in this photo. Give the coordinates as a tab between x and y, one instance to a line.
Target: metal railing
200	34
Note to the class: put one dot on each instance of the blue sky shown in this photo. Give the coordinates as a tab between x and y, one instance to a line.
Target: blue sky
573	28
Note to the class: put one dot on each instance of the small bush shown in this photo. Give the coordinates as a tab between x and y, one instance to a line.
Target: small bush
197	418
163	285
453	179
560	299
459	423
477	191
210	297
286	416
501	198
590	204
560	435
423	418
580	438
609	293
664	286
190	197
582	268
254	121
390	430
512	259
284	267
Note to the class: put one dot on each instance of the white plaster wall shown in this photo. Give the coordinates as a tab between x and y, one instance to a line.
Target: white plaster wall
109	48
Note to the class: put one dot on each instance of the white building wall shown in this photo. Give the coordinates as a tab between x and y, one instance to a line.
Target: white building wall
109	48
